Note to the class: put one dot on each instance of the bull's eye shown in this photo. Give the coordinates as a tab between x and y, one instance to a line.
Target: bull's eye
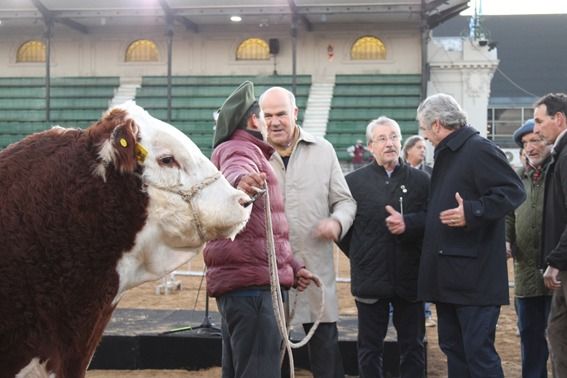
168	161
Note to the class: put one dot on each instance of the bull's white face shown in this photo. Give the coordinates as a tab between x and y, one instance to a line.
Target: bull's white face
174	165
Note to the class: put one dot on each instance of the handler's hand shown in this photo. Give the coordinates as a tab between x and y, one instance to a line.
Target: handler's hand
454	217
328	229
252	183
395	221
303	278
550	278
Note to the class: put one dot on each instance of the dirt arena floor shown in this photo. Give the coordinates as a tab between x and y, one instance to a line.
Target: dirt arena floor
507	343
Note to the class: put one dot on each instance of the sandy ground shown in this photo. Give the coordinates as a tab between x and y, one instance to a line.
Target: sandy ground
507	343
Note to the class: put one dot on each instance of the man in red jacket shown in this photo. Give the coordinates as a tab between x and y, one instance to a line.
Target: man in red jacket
237	271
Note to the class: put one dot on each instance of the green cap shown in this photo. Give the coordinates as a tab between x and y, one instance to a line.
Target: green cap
232	111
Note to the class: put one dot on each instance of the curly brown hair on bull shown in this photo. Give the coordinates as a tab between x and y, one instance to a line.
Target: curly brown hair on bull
82	221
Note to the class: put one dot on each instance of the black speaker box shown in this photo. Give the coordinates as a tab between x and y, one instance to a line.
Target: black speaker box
274	46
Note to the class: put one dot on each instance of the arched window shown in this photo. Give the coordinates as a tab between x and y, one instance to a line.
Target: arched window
31	51
142	50
253	49
368	48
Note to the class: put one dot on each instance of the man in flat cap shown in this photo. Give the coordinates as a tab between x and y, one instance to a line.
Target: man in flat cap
523	235
237	271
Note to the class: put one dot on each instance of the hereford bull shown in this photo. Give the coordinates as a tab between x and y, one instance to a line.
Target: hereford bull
88	214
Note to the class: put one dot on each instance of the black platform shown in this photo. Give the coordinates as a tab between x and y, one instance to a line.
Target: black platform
134	340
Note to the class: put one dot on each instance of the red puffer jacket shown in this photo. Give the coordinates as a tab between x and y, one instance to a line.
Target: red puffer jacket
242	263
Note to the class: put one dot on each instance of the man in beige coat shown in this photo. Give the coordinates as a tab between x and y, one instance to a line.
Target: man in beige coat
320	209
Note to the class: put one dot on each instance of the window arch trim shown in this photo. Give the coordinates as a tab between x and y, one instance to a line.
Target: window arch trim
368	47
32	51
142	50
253	49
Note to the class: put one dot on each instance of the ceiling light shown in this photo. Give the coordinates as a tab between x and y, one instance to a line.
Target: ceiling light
235	18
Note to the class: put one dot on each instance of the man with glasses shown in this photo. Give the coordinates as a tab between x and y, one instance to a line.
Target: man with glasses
463	265
384	248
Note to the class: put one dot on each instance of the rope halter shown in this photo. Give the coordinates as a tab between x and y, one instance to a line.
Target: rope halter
187	196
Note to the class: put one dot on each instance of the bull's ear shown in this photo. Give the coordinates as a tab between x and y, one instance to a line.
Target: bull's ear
124	144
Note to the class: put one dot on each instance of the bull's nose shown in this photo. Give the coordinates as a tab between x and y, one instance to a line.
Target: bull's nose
244	200
251	200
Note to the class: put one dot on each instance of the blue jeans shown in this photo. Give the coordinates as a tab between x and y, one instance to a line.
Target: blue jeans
533	313
466	336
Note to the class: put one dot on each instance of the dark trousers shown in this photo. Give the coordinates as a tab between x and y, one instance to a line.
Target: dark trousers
557	328
250	338
324	354
466	336
533	313
409	321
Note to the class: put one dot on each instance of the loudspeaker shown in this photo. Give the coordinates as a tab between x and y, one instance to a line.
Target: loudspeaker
274	46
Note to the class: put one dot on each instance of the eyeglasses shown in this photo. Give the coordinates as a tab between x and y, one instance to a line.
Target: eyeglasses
383	139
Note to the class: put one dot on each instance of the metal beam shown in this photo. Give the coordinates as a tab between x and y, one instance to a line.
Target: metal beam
46	13
169	12
73	25
169	20
432	5
398	7
189	25
293	31
47	35
50	16
302	17
425	67
438	18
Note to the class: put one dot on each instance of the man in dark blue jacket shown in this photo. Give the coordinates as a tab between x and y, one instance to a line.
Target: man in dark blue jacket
550	115
463	264
384	249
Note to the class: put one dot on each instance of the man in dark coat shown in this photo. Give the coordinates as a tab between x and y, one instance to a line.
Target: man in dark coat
550	115
463	264
384	248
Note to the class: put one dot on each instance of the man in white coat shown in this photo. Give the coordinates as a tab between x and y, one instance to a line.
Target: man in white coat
320	210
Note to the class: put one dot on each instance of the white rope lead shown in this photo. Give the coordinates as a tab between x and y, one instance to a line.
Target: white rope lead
277	300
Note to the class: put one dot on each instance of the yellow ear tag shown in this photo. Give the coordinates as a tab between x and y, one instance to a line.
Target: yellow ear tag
141	153
123	142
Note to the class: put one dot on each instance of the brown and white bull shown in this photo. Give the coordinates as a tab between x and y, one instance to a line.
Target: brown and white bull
88	214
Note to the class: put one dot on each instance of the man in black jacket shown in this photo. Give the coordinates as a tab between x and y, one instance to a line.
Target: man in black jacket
550	116
463	265
384	263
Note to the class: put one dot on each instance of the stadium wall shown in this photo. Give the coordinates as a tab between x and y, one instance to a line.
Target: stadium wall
212	52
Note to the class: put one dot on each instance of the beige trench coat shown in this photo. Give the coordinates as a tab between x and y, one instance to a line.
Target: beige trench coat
314	188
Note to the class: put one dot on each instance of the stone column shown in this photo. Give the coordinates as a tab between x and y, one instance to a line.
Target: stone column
463	68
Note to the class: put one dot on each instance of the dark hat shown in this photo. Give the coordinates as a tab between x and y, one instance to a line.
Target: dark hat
232	111
526	128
